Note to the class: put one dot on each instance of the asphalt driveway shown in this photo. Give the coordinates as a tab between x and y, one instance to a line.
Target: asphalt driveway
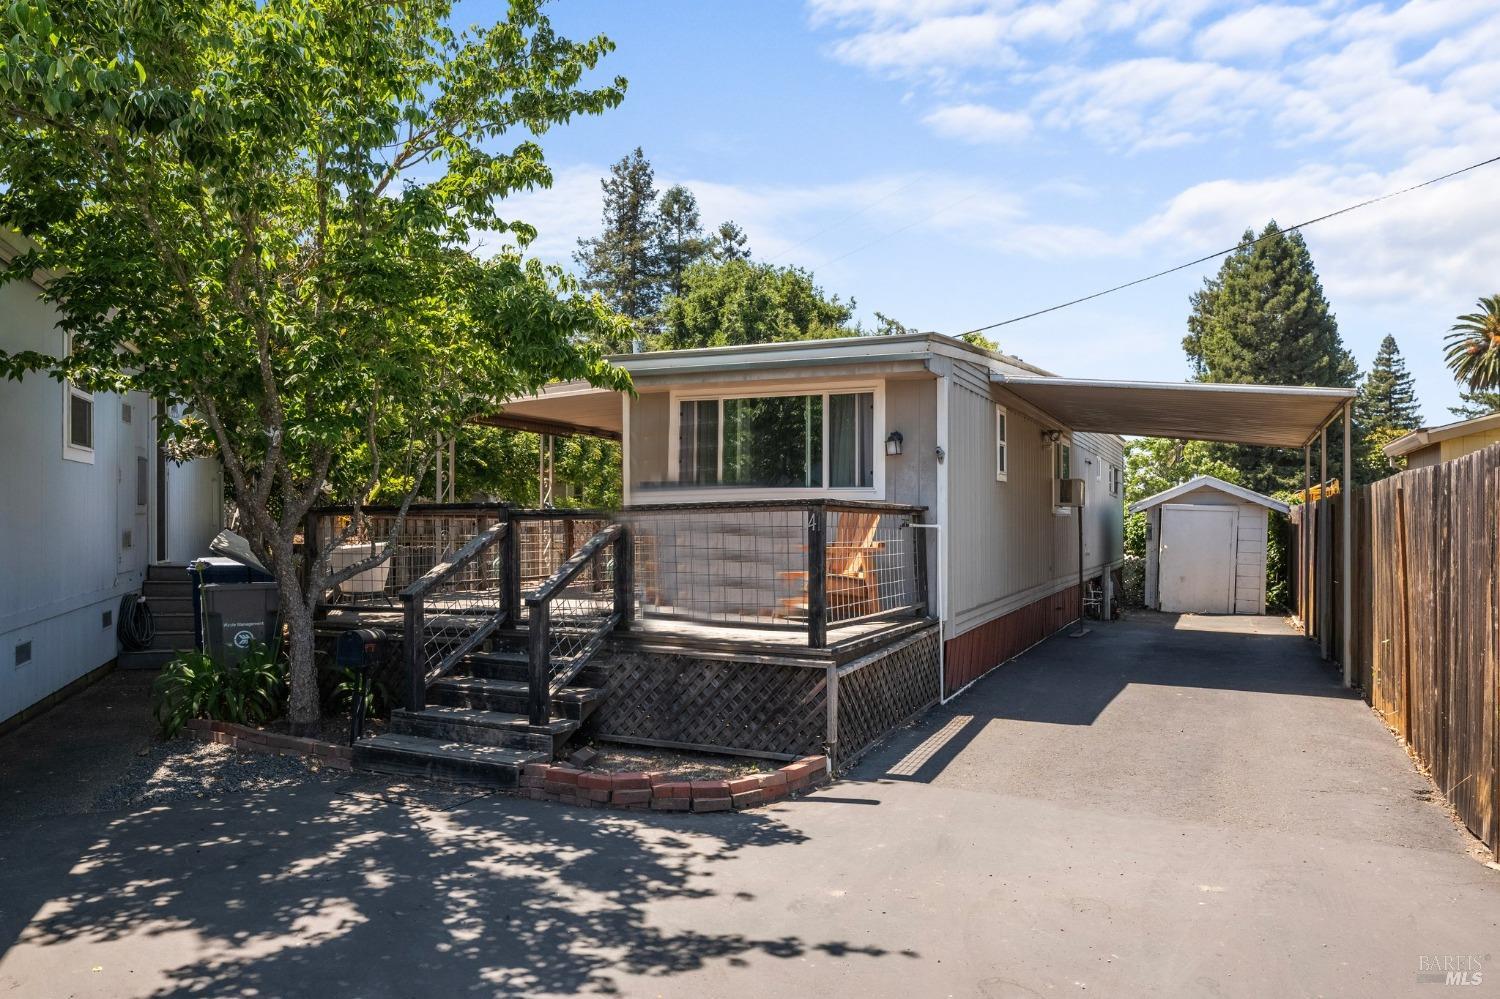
1163	807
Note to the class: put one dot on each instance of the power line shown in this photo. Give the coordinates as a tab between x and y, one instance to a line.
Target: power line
852	215
896	232
1240	246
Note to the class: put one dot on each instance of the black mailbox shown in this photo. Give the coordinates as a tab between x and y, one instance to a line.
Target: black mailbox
361	650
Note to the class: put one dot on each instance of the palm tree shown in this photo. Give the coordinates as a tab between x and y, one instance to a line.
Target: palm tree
1473	353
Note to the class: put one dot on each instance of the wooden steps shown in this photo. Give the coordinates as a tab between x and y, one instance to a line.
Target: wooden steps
466	762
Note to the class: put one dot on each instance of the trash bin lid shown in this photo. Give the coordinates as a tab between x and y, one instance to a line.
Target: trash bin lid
232	546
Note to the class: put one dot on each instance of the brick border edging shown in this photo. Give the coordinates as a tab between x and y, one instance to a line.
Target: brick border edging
243	737
641	790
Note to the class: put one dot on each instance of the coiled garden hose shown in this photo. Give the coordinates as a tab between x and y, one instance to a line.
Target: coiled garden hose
136	627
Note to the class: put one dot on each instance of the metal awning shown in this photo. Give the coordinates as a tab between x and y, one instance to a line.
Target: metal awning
1267	415
564	408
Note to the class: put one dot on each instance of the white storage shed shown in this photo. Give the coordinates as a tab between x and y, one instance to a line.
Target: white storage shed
1206	547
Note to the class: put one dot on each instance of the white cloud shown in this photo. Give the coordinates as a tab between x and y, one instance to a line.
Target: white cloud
1259	32
937	46
978	123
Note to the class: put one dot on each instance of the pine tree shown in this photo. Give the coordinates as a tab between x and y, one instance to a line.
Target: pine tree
1476	403
730	243
1386	397
679	239
1263	319
622	263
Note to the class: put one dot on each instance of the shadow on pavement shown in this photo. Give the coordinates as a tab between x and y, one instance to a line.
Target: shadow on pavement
375	892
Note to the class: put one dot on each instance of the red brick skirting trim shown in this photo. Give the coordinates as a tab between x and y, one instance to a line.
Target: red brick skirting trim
256	741
561	782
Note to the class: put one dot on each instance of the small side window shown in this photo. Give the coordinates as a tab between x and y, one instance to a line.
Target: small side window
78	421
1002	466
1114	480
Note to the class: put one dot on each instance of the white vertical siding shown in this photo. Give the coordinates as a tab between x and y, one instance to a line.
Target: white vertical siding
60	521
1008	547
1249	554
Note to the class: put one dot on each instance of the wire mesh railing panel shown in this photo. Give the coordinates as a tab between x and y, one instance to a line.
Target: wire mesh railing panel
580	614
872	564
425	540
545	541
453	608
721	566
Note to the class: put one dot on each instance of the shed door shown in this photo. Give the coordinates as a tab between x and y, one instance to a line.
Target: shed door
1197	558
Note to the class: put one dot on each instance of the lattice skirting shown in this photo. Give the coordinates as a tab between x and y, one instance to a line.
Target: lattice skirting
732	707
763	709
883	690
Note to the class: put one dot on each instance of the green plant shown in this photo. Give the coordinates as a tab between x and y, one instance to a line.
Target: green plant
195	685
1473	347
378	696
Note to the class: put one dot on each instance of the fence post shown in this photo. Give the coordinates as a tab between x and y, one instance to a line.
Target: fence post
414	640
510	571
831	746
919	566
539	692
817	577
624	578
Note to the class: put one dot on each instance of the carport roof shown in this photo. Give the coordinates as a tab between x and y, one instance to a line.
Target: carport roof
1267	415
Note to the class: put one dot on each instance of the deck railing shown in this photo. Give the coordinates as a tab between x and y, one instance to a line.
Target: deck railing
572	612
453	608
827	568
831	570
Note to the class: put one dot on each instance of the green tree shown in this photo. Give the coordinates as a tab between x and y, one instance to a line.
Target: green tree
679	238
1263	319
1473	347
1387	397
262	210
622	263
496	464
729	242
1475	403
1155	464
739	303
1385	409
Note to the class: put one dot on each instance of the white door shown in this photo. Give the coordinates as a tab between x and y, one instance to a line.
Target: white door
1196	564
132	485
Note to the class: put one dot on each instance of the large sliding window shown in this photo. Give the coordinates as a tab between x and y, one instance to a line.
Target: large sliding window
778	441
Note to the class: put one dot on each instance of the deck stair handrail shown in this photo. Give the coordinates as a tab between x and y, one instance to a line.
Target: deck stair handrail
570	615
453	608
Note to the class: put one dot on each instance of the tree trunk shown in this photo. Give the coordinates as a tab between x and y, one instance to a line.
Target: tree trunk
297	616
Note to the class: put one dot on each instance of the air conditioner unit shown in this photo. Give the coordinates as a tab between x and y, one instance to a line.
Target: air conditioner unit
1068	492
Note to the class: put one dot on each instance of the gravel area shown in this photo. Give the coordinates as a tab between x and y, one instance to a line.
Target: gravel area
184	769
615	758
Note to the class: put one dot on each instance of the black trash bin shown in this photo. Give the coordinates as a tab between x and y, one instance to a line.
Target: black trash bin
237	616
231	565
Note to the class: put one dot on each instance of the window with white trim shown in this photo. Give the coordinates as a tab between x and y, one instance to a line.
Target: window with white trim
78	419
1002	465
1114	480
794	441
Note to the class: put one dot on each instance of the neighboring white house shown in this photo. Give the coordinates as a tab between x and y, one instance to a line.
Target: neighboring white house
1206	547
87	501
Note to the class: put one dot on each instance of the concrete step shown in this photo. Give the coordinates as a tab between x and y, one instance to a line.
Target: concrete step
411	755
153	659
485	728
173	619
509	696
172	640
162	589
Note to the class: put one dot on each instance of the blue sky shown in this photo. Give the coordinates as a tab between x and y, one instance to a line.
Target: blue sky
955	162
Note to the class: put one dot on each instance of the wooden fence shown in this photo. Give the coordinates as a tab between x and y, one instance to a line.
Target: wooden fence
1424	641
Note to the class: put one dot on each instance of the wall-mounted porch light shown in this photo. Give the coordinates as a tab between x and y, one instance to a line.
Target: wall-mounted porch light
893	442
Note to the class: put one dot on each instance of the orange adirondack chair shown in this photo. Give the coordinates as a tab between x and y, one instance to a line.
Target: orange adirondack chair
851	568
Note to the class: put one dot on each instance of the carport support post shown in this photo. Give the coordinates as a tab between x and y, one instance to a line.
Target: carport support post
1304	563
1346	524
1325	640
